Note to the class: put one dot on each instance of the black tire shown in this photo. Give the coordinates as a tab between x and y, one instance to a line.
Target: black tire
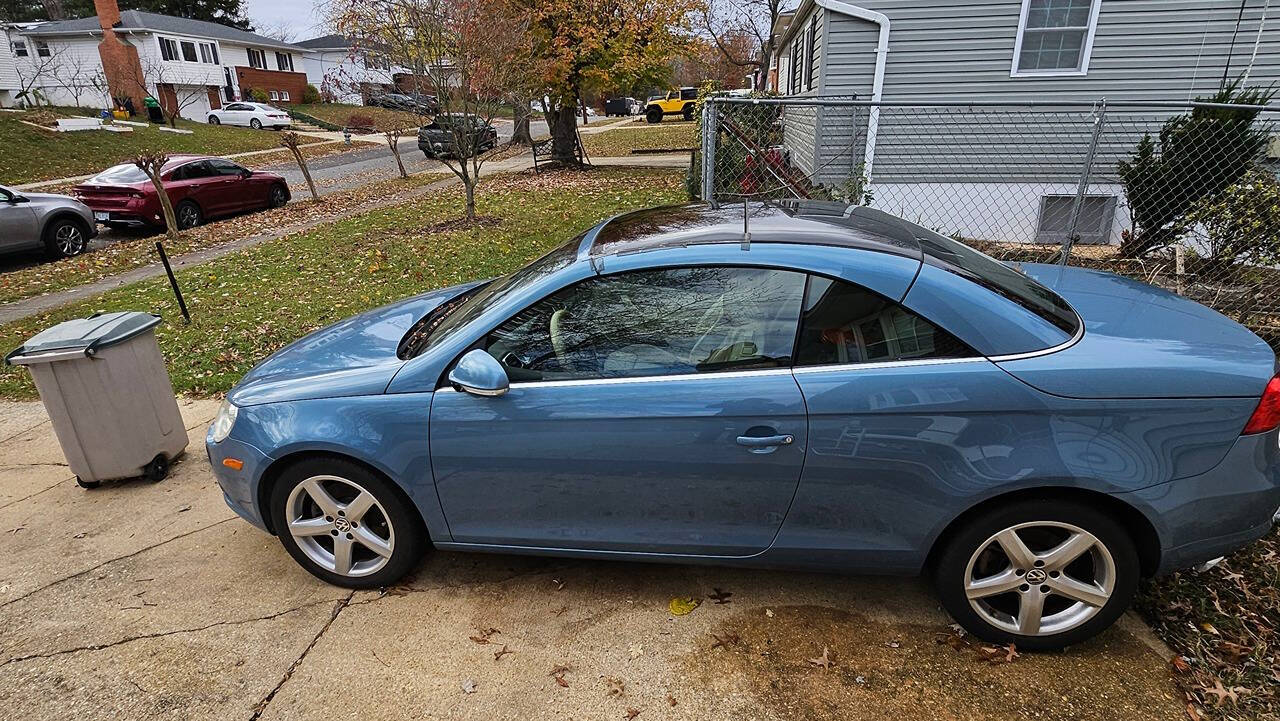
255	123
87	484
407	531
951	566
157	470
213	120
688	111
65	238
653	115
277	196
188	215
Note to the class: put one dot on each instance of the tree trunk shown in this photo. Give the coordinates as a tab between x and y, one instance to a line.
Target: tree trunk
394	144
166	208
470	183
564	133
306	172
520	133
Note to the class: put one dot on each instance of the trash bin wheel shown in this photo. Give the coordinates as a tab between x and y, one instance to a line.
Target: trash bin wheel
87	484
157	469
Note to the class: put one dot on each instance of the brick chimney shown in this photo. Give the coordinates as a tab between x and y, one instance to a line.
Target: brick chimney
120	63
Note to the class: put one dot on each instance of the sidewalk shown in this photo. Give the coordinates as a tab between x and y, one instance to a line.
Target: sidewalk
140	600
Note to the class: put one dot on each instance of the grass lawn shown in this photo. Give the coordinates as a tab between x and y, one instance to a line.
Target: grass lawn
32	155
621	141
338	114
247	304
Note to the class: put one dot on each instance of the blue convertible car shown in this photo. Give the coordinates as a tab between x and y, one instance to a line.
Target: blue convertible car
833	389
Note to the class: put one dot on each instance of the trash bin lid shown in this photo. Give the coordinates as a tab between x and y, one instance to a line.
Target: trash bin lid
82	336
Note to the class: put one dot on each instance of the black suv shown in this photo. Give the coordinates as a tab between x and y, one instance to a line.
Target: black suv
440	137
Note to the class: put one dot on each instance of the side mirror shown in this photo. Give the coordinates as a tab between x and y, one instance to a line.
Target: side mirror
479	373
246	173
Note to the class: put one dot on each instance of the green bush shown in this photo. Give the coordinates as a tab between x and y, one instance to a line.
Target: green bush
1242	223
310	95
1198	155
255	95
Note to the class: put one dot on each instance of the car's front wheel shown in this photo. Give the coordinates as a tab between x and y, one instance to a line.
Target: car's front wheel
1040	574
653	115
64	238
345	524
277	197
213	120
255	124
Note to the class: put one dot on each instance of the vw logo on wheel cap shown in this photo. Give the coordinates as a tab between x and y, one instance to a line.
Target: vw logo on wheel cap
1034	576
343	525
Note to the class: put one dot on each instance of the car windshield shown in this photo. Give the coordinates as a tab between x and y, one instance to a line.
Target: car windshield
999	278
123	173
457	312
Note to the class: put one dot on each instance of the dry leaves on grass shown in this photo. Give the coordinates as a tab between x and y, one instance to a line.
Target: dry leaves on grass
483	634
614	686
825	660
557	673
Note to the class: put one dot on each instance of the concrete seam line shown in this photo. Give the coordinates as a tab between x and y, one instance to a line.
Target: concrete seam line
33	495
288	673
110	561
161	634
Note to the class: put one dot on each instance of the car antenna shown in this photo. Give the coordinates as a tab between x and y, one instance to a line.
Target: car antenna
746	228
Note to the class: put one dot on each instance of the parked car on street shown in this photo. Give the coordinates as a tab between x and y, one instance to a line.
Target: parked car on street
59	224
199	186
408	102
840	390
252	115
440	138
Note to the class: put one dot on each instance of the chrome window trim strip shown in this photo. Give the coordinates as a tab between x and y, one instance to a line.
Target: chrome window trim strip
886	364
1046	351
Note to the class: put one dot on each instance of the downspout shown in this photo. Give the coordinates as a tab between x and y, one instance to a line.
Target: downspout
877	81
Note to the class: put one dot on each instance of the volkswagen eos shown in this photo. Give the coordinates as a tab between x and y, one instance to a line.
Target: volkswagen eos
834	389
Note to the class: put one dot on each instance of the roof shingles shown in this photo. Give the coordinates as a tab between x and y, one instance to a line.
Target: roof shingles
142	20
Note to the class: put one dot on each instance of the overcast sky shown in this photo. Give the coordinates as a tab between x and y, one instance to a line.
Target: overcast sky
298	15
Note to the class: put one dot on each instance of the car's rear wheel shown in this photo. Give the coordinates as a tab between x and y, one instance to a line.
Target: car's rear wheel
1040	574
277	197
65	237
346	525
653	115
188	215
255	124
688	111
213	120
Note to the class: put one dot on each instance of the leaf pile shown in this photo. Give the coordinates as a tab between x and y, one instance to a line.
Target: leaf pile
1225	625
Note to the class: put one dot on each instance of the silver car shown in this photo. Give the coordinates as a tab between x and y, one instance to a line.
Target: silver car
60	224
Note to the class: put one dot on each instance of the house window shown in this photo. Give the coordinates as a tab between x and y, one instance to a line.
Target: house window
274	95
257	59
209	53
1093	225
809	58
42	48
284	61
19	48
373	62
284	95
168	49
797	53
1055	37
189	51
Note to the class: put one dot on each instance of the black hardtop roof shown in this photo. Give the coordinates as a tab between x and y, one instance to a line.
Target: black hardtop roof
789	221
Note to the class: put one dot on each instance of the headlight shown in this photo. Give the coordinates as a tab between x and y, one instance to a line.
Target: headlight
223	424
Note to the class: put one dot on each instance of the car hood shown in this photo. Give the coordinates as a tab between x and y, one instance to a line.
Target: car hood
1141	341
356	356
48	198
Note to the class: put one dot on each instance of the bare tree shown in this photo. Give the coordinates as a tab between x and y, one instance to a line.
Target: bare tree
153	76
393	130
461	51
282	30
722	20
152	163
36	71
79	74
290	140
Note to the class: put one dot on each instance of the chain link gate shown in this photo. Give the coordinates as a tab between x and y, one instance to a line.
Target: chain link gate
1180	195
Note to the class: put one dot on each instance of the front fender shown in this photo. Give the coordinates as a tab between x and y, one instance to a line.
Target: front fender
385	432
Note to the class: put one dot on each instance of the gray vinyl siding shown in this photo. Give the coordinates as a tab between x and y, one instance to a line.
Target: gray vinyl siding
953	51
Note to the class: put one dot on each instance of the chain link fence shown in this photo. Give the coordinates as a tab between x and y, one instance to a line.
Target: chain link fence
1180	195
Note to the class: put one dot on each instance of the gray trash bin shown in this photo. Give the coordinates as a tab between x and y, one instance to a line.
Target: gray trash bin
108	394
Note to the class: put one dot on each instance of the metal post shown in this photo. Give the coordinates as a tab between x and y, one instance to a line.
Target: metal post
173	282
1099	115
710	132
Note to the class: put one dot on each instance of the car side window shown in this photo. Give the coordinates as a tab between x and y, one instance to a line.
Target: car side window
845	323
225	167
192	171
660	322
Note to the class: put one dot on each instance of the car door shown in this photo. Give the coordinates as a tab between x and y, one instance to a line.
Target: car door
234	191
196	181
651	411
236	114
18	228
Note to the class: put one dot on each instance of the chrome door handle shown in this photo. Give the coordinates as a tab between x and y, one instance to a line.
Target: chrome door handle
765	441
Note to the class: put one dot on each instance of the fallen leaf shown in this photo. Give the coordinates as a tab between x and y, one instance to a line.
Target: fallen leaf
637	651
671	700
497	656
614	686
1180	664
895	643
683	606
768	613
729	639
469	686
483	635
631	713
824	660
720	597
559	584
1220	693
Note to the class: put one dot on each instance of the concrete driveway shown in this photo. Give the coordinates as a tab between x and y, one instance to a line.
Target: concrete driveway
153	601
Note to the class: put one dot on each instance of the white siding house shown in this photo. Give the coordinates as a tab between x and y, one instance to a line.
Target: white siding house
342	74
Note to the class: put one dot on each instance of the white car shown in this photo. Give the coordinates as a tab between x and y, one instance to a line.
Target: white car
254	115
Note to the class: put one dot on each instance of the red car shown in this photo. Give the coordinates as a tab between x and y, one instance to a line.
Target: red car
199	186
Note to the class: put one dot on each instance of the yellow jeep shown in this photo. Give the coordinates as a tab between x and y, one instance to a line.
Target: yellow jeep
678	102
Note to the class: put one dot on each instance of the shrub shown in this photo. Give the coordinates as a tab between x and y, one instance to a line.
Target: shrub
255	95
1199	154
1242	223
310	95
361	121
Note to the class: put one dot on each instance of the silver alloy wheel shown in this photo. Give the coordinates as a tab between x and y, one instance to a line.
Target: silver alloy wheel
188	217
1042	591
69	239
351	537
